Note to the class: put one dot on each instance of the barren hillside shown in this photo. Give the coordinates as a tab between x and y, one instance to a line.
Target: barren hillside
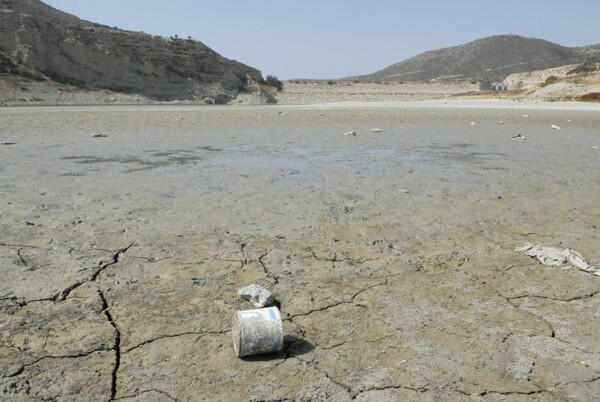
491	58
38	41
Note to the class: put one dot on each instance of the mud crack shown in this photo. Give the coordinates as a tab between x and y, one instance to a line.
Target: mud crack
22	258
22	369
509	393
550	327
116	347
335	259
350	301
158	338
63	294
148	391
566	300
266	270
420	390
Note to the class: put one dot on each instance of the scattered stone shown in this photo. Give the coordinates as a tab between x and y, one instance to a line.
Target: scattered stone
555	257
99	135
519	137
257	295
554	126
350	133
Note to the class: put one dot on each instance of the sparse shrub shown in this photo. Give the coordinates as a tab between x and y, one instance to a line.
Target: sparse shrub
588	66
331	82
274	82
550	80
28	72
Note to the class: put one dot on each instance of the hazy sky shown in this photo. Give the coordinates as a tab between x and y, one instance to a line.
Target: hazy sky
340	38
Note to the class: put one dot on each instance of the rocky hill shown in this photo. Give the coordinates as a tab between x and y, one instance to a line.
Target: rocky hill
40	42
488	59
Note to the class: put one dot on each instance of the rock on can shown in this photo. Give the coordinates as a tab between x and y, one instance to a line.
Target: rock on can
257	331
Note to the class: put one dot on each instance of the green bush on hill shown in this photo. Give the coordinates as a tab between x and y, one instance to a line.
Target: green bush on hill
274	82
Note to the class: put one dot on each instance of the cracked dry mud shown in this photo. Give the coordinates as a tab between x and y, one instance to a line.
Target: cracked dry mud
391	253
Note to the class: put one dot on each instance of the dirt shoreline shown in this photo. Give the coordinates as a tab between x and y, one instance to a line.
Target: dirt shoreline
391	251
16	91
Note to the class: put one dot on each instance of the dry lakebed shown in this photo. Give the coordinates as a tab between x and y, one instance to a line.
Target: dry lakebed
386	231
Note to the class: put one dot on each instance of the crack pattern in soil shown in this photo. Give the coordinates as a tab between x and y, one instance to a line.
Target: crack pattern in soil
188	333
148	391
330	306
63	294
116	346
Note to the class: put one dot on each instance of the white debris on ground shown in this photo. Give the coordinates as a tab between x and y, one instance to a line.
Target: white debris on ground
554	126
257	295
556	257
350	133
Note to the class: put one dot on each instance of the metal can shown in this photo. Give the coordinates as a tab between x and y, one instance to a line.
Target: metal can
257	332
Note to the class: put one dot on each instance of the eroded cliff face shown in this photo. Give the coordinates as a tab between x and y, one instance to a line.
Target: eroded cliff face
34	36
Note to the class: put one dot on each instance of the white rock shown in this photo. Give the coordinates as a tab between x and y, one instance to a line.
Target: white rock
257	295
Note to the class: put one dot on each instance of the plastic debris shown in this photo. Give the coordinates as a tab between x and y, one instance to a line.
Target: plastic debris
376	130
99	135
555	257
350	133
257	295
473	123
519	137
554	126
7	143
